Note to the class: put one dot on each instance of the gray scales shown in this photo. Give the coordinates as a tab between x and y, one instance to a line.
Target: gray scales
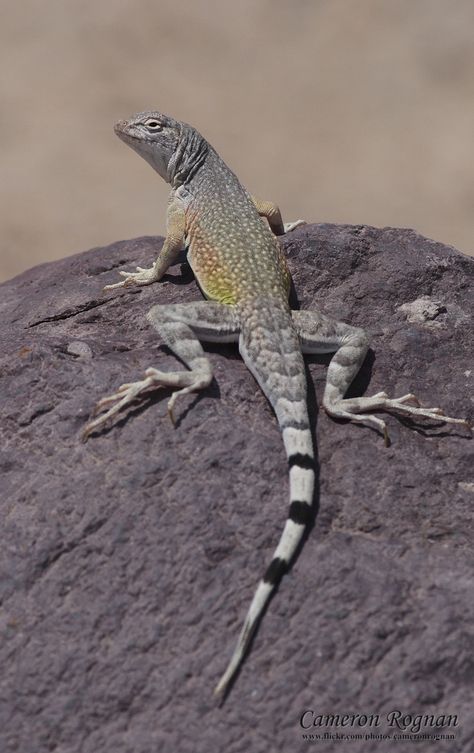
238	263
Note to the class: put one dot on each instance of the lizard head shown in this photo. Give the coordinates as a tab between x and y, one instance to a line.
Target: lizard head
174	149
154	136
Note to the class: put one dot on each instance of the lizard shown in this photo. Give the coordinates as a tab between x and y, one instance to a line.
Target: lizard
232	246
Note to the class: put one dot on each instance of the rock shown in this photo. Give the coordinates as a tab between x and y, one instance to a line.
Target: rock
82	350
128	563
423	310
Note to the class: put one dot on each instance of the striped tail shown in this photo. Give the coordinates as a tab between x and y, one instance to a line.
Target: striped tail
287	394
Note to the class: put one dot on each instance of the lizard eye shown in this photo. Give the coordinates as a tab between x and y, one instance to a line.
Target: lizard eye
153	125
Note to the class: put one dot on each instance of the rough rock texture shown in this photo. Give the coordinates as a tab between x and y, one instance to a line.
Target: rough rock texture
127	563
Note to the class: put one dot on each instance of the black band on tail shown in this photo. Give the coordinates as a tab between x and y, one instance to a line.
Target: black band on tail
275	571
301	460
300	512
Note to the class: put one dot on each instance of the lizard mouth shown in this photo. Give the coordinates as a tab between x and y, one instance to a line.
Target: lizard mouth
122	130
125	135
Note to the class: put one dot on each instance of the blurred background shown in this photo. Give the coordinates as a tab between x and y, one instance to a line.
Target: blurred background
353	111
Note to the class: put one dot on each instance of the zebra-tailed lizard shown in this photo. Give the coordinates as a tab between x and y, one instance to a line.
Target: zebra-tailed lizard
241	270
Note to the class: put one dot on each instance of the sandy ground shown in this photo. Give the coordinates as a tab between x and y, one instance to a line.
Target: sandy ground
358	111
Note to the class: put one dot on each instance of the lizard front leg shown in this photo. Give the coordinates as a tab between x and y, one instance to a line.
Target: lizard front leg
320	334
173	244
272	213
181	327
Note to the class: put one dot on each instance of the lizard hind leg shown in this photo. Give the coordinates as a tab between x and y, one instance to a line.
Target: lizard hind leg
181	327
320	334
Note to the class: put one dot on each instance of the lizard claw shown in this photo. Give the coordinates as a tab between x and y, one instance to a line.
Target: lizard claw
171	414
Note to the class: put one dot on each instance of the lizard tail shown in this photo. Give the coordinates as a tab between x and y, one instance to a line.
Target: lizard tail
291	410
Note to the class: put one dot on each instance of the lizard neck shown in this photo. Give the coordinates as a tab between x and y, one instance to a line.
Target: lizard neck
188	158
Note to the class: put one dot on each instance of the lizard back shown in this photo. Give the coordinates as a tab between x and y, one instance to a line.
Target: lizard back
231	250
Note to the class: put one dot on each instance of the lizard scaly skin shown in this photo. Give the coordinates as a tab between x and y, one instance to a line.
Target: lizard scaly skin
239	265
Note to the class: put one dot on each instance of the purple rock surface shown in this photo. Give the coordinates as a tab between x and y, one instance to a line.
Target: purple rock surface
127	563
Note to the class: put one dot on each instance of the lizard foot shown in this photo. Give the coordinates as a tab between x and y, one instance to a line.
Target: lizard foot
400	405
289	226
188	381
141	277
124	395
407	405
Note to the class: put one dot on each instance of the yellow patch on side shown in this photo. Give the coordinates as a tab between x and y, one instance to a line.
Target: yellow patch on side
212	280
